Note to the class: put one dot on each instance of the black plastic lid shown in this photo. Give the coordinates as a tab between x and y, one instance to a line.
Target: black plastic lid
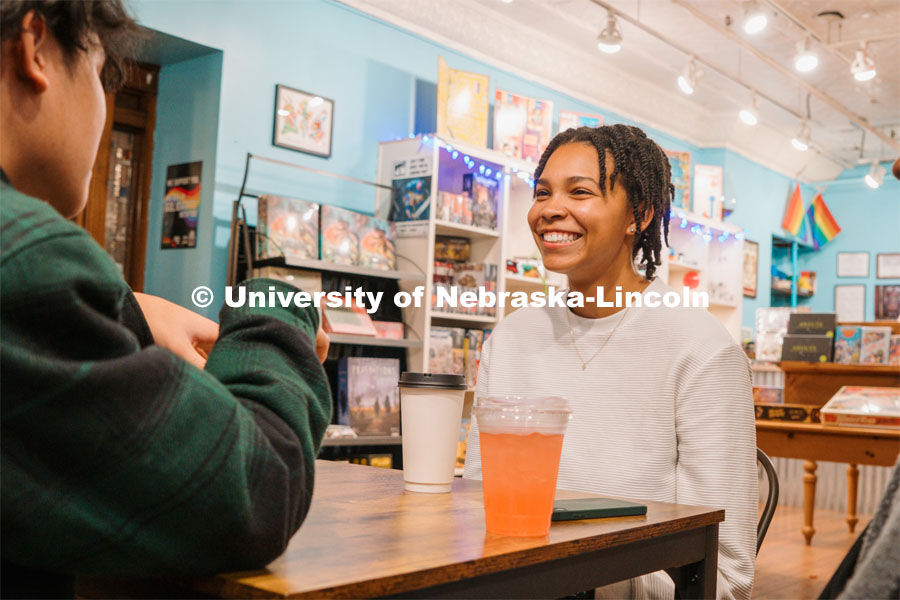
444	381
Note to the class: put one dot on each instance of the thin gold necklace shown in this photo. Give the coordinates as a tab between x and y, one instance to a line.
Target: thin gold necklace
585	363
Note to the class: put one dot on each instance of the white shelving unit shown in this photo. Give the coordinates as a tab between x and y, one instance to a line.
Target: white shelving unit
511	239
714	250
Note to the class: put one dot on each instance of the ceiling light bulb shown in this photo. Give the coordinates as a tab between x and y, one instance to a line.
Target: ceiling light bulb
875	176
805	60
801	140
610	39
755	19
863	66
687	81
748	114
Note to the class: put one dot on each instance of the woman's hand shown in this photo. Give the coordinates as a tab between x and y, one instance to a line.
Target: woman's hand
178	329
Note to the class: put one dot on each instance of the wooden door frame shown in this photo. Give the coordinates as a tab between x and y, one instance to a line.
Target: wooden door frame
141	78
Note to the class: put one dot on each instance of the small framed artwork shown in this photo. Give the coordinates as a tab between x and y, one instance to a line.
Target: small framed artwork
887	302
751	268
303	121
887	265
852	264
850	303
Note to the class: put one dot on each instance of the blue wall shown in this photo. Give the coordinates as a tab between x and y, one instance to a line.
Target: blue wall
187	121
374	72
869	221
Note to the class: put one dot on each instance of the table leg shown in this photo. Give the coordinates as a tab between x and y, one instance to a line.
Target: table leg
699	580
809	499
852	488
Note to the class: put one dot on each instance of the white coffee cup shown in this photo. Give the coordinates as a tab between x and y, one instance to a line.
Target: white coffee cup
430	413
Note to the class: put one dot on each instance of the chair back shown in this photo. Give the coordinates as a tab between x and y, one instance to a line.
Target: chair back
771	500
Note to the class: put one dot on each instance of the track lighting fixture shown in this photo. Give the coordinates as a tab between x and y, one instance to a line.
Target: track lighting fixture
805	60
801	140
875	177
610	39
687	81
863	66
748	114
755	19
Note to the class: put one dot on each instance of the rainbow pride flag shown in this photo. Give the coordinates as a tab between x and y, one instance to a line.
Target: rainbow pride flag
793	216
822	223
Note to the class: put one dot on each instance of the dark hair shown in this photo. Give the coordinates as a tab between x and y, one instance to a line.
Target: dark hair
72	23
642	167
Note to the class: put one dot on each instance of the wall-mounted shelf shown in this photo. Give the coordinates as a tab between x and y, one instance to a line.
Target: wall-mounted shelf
458	229
714	250
330	267
361	340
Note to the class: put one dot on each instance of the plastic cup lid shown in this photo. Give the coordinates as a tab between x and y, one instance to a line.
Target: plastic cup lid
443	381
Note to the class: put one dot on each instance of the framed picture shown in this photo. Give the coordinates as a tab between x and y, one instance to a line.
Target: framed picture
887	265
887	302
303	121
850	303
680	163
852	264
751	268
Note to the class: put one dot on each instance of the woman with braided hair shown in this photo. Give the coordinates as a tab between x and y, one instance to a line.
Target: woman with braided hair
661	397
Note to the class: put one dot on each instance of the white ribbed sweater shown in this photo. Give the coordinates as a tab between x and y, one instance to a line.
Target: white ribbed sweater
663	413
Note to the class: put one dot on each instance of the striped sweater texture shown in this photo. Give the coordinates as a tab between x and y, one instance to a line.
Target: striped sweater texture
664	413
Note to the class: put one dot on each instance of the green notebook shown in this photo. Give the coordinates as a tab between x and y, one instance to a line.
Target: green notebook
595	508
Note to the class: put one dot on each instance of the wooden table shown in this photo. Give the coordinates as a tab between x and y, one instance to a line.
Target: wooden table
815	383
365	537
813	442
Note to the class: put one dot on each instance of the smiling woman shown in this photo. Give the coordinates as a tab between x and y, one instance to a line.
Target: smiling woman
661	398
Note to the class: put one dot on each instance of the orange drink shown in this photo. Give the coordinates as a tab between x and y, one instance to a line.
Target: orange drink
521	442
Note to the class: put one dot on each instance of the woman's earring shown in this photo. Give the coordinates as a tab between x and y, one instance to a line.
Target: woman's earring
631	229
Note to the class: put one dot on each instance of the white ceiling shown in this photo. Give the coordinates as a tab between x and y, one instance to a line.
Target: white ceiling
554	42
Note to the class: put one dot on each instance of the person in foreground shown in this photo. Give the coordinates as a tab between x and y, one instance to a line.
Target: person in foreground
661	397
119	455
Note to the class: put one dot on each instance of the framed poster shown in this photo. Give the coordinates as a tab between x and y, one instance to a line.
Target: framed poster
887	302
521	125
887	265
680	163
462	105
852	264
303	121
751	268
573	120
850	303
181	206
707	199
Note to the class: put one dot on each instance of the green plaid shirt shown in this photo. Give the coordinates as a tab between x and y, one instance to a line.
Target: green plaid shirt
118	457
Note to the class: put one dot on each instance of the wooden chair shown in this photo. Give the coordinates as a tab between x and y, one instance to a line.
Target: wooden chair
771	501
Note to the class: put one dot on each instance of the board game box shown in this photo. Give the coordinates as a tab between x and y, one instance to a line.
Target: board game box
863	406
370	388
287	227
340	243
847	341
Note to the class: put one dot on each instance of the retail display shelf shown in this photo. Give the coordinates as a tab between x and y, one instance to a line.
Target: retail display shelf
361	340
371	440
535	281
458	229
462	317
717	304
330	267
674	265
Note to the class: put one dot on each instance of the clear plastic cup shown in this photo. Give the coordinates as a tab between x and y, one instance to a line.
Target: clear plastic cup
521	442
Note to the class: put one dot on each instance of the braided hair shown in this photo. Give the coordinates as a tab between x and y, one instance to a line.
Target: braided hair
644	171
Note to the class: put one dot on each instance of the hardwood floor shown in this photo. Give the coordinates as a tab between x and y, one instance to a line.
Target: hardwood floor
787	568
